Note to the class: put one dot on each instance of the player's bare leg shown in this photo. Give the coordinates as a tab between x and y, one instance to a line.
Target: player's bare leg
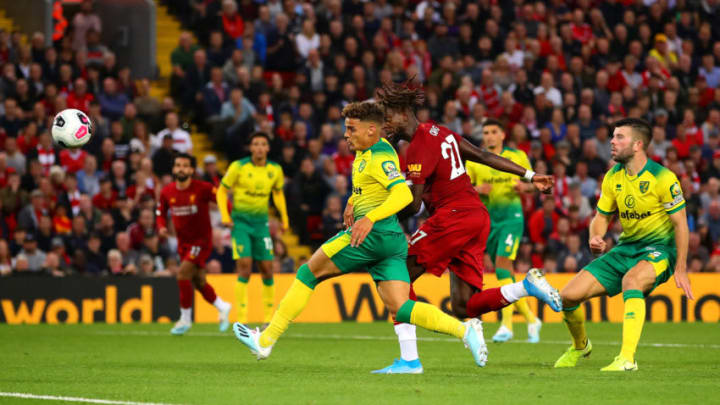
636	282
409	361
185	287
243	267
268	289
582	287
318	268
199	280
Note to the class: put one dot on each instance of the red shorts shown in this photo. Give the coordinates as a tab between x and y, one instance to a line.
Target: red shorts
195	253
453	240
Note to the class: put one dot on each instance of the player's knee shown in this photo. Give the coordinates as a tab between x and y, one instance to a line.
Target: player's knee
571	297
243	267
635	282
459	307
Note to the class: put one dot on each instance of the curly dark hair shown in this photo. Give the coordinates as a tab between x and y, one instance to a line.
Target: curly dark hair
364	111
403	96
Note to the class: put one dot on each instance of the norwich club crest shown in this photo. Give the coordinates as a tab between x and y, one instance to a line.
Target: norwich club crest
644	185
361	166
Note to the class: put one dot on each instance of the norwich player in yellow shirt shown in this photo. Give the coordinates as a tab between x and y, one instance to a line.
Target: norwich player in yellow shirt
649	202
251	181
500	192
375	241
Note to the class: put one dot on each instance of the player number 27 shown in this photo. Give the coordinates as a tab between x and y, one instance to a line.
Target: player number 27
451	150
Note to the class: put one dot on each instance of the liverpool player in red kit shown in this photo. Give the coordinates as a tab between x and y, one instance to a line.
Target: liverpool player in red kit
188	201
454	236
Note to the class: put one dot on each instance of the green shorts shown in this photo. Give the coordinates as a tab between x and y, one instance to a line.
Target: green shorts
382	253
250	238
610	268
504	239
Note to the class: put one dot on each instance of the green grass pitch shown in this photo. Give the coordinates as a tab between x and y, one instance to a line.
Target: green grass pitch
330	364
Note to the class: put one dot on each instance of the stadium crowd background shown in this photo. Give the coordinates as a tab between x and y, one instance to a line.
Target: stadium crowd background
556	73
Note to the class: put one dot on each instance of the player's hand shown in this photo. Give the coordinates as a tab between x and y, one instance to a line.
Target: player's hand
543	182
163	233
484	188
360	230
597	245
349	216
682	281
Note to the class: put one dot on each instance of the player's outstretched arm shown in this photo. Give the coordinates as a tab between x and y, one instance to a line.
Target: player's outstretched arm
682	236
472	153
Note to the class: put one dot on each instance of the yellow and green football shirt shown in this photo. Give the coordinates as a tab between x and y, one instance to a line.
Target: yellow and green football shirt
375	171
503	202
251	186
642	202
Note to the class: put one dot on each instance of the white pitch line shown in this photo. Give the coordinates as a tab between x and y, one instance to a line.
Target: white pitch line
24	395
393	338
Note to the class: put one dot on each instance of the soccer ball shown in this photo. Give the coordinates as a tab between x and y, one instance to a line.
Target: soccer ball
71	128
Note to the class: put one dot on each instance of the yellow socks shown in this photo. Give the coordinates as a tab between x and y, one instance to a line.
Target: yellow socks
632	323
507	312
291	306
268	298
575	320
431	318
522	306
241	299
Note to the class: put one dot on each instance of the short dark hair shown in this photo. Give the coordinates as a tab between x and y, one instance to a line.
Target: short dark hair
640	127
364	111
183	155
259	134
492	121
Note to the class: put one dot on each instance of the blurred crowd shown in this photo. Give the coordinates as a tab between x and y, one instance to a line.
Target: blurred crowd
556	73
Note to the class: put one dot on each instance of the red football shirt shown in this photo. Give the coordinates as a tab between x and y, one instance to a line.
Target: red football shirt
433	159
190	211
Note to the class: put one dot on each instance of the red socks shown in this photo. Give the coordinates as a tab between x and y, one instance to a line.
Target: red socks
186	293
485	301
208	293
412	296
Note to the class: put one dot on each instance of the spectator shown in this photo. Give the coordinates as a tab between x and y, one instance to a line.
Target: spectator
112	102
181	59
12	197
332	216
105	199
84	21
79	98
222	253
96	260
195	79
181	141
35	257
88	178
308	40
162	160
543	222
